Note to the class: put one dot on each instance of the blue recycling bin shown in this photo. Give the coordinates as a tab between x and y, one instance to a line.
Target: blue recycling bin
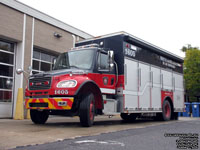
186	113
196	109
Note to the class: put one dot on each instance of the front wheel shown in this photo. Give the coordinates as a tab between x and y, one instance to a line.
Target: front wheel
39	117
87	110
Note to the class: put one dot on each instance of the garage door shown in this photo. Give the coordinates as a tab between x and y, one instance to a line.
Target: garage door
7	63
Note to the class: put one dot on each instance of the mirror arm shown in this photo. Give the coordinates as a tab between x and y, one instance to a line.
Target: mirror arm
20	71
26	73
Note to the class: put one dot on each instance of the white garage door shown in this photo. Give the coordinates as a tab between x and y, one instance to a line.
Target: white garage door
7	62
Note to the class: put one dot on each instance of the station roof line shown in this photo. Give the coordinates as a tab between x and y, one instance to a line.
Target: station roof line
44	17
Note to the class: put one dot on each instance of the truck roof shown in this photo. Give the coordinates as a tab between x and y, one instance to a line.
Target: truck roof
131	38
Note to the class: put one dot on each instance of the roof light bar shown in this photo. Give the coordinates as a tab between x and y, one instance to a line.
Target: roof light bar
86	46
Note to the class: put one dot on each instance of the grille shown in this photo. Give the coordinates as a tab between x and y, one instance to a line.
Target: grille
40	83
38	104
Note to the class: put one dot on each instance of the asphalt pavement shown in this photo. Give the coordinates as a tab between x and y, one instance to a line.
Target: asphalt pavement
183	134
15	133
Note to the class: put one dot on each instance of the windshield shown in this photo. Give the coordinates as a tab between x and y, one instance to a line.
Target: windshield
81	59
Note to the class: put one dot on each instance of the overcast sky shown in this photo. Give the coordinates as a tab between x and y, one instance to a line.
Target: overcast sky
169	24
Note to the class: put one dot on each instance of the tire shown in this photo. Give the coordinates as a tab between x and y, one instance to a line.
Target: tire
39	117
166	111
87	111
128	117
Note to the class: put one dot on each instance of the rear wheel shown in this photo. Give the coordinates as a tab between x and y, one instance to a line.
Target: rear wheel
39	117
87	110
128	117
166	111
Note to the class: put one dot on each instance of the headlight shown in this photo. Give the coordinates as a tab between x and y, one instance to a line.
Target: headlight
67	84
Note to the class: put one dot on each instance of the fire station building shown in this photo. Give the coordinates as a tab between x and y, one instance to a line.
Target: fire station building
28	37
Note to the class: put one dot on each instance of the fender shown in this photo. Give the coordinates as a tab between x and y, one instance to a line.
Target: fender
92	86
165	95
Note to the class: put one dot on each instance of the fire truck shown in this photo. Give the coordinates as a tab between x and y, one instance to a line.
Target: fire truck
109	75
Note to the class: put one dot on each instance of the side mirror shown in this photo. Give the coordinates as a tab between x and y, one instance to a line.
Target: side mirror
54	61
19	71
111	58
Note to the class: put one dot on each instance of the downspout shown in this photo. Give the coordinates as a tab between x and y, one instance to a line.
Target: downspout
74	40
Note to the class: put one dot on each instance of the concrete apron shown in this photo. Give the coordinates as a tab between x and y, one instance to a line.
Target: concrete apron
23	132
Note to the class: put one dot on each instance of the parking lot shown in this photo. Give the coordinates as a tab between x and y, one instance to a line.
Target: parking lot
16	133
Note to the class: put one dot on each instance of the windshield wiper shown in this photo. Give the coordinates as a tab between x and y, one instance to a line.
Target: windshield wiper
74	66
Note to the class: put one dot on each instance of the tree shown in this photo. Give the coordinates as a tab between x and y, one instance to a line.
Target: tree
192	71
188	47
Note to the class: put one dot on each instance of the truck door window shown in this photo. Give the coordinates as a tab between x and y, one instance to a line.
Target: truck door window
103	62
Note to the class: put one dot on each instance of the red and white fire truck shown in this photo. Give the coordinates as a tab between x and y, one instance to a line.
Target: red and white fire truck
108	75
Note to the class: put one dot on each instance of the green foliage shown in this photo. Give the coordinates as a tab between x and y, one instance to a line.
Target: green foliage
188	47
192	70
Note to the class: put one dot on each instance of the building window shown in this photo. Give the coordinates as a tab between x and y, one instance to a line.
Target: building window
42	61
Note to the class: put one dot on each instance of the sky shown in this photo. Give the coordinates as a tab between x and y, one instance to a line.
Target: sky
168	24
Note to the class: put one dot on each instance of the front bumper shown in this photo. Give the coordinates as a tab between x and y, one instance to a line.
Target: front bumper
49	103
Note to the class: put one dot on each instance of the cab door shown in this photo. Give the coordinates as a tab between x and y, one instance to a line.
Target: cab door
106	77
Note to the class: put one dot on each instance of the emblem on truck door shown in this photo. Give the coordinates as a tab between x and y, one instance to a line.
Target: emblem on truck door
105	80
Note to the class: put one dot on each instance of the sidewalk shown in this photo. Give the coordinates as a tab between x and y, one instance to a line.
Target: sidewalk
24	132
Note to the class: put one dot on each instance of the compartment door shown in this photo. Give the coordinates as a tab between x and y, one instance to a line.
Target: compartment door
155	88
144	86
131	84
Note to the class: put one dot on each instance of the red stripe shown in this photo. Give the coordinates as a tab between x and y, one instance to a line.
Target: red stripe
51	100
41	100
56	104
69	102
34	100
